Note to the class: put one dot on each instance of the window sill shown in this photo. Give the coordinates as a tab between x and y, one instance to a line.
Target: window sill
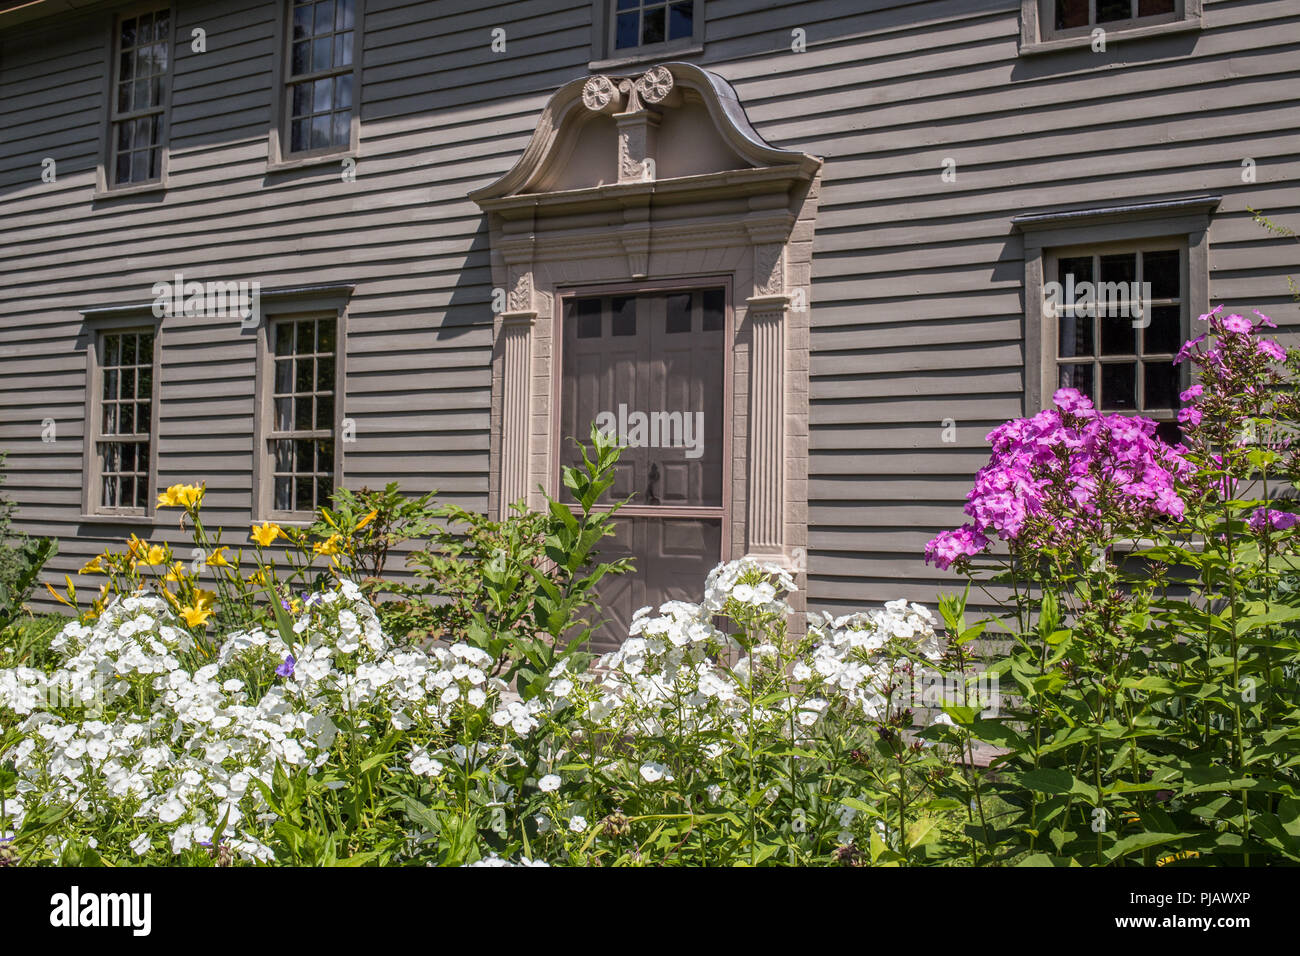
143	519
306	162
1084	42
143	189
648	55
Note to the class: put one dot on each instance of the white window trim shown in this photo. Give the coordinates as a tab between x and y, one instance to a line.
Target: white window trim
1044	234
1037	35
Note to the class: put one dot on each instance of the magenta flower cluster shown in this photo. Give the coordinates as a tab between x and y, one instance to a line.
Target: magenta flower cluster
1064	477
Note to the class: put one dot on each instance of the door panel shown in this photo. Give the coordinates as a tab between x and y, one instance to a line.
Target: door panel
651	368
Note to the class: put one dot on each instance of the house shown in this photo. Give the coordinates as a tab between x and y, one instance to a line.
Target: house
800	256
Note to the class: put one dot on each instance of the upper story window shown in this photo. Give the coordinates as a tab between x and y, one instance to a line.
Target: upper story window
138	114
1047	25
121	424
640	23
321	79
643	29
1106	13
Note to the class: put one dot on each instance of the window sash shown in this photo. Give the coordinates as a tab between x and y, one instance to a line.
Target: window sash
274	434
118	117
1140	357
104	441
1135	19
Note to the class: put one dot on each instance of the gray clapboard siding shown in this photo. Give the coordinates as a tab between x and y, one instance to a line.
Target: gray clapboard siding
917	285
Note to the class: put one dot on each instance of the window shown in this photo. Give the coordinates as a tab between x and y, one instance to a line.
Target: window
122	421
647	22
1047	25
1119	324
1090	336
641	29
138	112
321	78
300	442
1091	13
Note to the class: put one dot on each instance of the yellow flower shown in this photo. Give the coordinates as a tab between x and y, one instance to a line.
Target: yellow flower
196	616
157	554
181	496
204	599
367	519
265	533
258	578
177	573
134	546
217	559
93	566
329	546
57	596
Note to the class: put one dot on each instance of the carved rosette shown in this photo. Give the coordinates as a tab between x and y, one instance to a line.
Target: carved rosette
654	85
600	95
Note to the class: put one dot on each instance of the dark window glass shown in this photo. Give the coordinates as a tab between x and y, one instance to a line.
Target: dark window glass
140	86
1163	334
623	320
1108	11
1119	386
679	313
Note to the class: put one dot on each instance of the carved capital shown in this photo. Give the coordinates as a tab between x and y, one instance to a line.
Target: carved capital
654	85
769	269
520	296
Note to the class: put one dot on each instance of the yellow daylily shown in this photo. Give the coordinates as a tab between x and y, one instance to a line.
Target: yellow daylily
156	554
134	546
181	496
196	616
367	519
93	566
177	572
59	597
265	533
217	559
329	546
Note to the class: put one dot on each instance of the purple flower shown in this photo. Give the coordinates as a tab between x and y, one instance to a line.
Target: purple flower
1186	350
1278	520
1239	324
1193	392
1264	320
1072	401
1271	349
286	669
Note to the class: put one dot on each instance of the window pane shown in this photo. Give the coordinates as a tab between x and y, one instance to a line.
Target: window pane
302	22
323	96
1119	268
320	53
623	320
1119	386
325	335
1108	11
324	489
325	16
1075	336
1071	13
302	413
301	96
679	313
325	412
320	131
303	499
1164	333
284	338
305	377
588	318
342	128
325	374
652	26
128	33
714	310
300	135
343	91
1078	266
626	35
283	376
1118	337
343	15
301	58
325	456
146	348
1151	8
126	418
1160	385
284	455
283	498
1077	376
126	383
304	456
1161	270
283	414
680	20
343	49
